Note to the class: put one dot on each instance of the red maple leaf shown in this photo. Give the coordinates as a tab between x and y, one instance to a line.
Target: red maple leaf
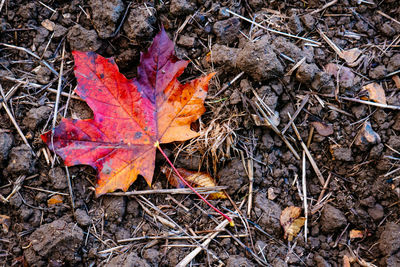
131	117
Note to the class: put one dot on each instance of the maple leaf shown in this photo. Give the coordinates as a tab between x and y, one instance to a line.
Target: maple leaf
131	117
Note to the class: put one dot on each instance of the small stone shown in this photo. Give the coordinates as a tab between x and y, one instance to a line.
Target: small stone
345	75
6	142
82	39
127	259
286	47
36	116
105	15
114	208
182	7
186	41
295	24
43	75
387	29
232	175
389	241
259	60
306	72
323	83
332	219
140	25
394	141
58	178
394	63
153	256
57	240
40	37
367	135
225	56
342	153
48	24
271	194
59	31
227	30
234	261
308	21
376	212
368	202
82	218
21	161
378	72
268	214
28	11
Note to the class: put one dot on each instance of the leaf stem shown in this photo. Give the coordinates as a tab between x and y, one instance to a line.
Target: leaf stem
194	190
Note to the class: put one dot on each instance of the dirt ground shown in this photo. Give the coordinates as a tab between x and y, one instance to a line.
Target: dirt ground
275	60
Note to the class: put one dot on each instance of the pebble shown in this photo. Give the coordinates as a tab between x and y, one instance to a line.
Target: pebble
82	39
105	16
259	60
182	7
227	31
6	142
140	25
332	219
268	213
82	218
21	161
306	72
376	212
389	241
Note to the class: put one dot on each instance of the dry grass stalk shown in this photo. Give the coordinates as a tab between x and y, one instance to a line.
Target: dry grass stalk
331	3
175	191
271	30
304	185
309	156
370	103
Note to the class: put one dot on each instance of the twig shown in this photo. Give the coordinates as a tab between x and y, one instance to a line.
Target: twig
1	4
298	64
305	195
271	30
122	20
324	188
370	103
331	3
59	88
309	156
13	120
303	103
45	190
228	84
196	251
393	73
32	54
388	17
203	190
71	194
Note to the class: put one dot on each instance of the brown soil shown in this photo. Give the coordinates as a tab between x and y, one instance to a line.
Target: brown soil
355	145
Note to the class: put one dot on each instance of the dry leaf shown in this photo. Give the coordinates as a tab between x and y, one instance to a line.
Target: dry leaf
376	92
351	56
54	200
5	222
130	117
396	80
346	261
195	179
346	76
356	234
322	128
291	222
367	135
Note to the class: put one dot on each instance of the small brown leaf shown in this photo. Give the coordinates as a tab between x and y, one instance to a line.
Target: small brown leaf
356	234
195	179
5	222
54	200
351	56
396	80
291	222
322	128
344	74
346	261
376	92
